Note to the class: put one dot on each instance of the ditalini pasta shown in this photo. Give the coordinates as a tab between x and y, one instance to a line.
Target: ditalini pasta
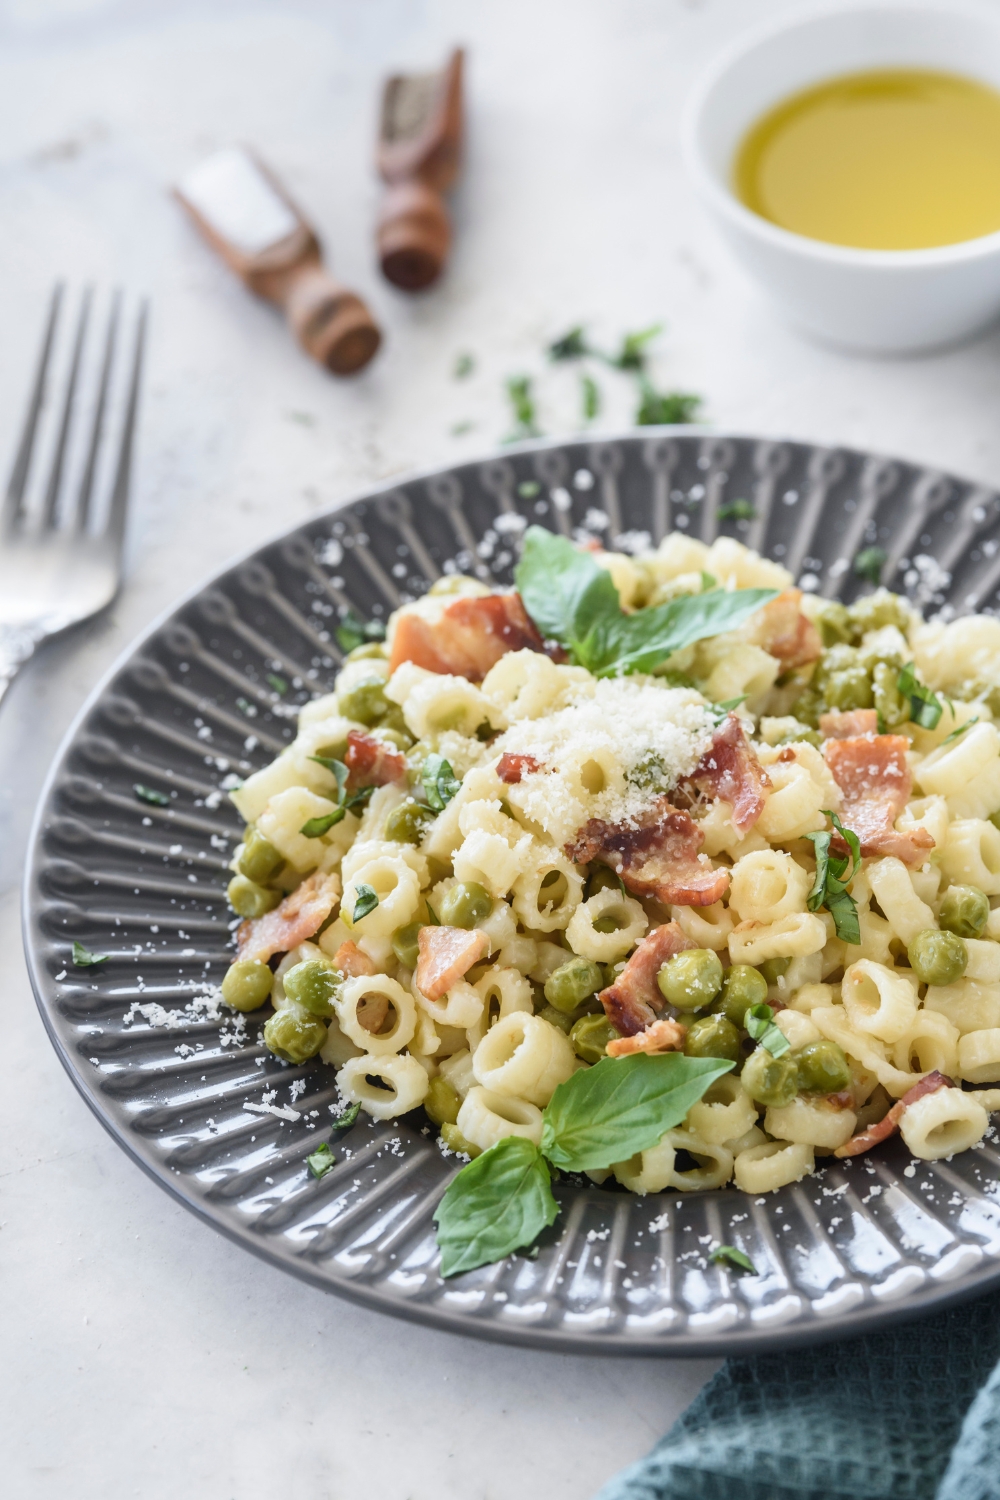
752	826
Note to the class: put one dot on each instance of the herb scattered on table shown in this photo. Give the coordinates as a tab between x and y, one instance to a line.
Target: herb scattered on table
522	406
572	345
834	873
84	959
463	367
590	397
151	795
657	409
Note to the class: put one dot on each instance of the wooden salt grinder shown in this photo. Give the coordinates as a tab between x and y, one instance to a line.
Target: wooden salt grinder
419	154
245	214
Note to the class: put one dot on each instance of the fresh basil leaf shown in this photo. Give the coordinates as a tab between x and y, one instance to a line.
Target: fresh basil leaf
632	354
147	794
665	408
496	1204
758	1023
834	872
730	1256
336	769
562	588
869	563
960	730
316	827
440	783
926	707
607	1113
641	641
572	345
844	910
84	959
347	1119
365	901
321	1160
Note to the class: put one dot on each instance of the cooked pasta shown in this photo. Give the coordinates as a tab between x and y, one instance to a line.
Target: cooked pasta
482	867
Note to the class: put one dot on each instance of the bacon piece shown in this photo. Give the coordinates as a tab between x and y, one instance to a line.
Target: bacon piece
470	636
661	1036
629	1002
842	726
371	761
889	1124
511	767
301	914
875	780
350	960
782	630
729	769
656	854
446	954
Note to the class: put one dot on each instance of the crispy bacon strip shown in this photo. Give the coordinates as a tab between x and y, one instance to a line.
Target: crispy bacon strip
729	769
301	914
446	954
889	1124
629	1002
470	637
511	767
875	780
656	854
843	726
350	960
782	630
661	1036
371	761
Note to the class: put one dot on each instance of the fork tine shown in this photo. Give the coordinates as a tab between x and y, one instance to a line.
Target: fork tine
22	463
87	482
58	458
120	492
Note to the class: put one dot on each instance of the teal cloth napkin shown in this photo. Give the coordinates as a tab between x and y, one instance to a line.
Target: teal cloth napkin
912	1413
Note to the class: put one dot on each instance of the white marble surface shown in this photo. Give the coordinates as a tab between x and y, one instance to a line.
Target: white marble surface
142	1354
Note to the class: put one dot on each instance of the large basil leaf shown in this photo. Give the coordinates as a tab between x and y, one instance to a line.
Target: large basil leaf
563	589
499	1202
607	1113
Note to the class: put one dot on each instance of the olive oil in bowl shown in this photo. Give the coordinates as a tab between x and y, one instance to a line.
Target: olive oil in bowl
898	159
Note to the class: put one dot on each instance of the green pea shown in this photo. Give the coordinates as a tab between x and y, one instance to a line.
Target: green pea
405	945
370	651
823	1068
837	659
442	1102
399	739
608	923
771	1080
893	708
314	985
590	1037
570	984
558	1018
691	980
802	733
260	859
465	904
407	823
849	689
742	987
964	911
937	957
713	1036
455	1141
365	702
808	706
247	984
772	969
249	899
833	623
878	609
294	1034
601	879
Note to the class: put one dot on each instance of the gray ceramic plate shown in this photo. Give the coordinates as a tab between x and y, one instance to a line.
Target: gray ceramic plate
210	692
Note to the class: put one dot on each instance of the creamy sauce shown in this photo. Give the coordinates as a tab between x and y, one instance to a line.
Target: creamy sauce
898	159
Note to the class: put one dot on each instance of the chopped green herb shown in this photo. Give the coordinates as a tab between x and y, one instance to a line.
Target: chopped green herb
278	683
758	1022
708	581
440	783
463	366
572	345
321	1160
528	489
435	919
737	510
666	408
353	632
365	901
347	1119
337	769
304	418
960	730
834	872
316	827
522	405
590	397
730	1256
148	794
459	429
84	959
926	707
726	707
868	564
246	707
632	354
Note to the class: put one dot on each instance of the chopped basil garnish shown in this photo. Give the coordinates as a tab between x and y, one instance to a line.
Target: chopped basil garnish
737	510
834	873
926	707
84	959
316	827
365	901
440	783
868	564
730	1256
321	1160
150	795
759	1025
279	684
960	730
353	632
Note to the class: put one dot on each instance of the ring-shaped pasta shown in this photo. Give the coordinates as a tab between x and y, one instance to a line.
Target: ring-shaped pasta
794	805
950	768
893	890
385	1087
929	1046
362	851
548	892
878	1000
979	1056
942	1123
797	1027
713	1163
524	1056
761	1169
723	1113
591	771
462	1006
606	947
442	702
504	991
397	887
386	1003
811	1122
527	684
648	1171
708	926
768	885
487	1117
972	854
794	936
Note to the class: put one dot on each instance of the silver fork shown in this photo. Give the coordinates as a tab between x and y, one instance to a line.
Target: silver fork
56	567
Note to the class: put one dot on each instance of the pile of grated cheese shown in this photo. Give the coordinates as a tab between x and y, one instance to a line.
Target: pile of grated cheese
624	718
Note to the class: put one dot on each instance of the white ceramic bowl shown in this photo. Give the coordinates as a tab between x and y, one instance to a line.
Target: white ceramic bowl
877	301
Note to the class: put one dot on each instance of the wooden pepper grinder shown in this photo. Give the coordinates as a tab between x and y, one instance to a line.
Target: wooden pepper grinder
246	215
419	154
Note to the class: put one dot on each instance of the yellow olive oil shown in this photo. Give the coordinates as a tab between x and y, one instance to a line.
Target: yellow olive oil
900	159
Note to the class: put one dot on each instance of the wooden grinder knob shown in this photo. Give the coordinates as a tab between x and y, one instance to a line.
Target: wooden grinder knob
332	324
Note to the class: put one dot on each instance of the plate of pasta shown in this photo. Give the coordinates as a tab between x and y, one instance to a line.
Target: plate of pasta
559	898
